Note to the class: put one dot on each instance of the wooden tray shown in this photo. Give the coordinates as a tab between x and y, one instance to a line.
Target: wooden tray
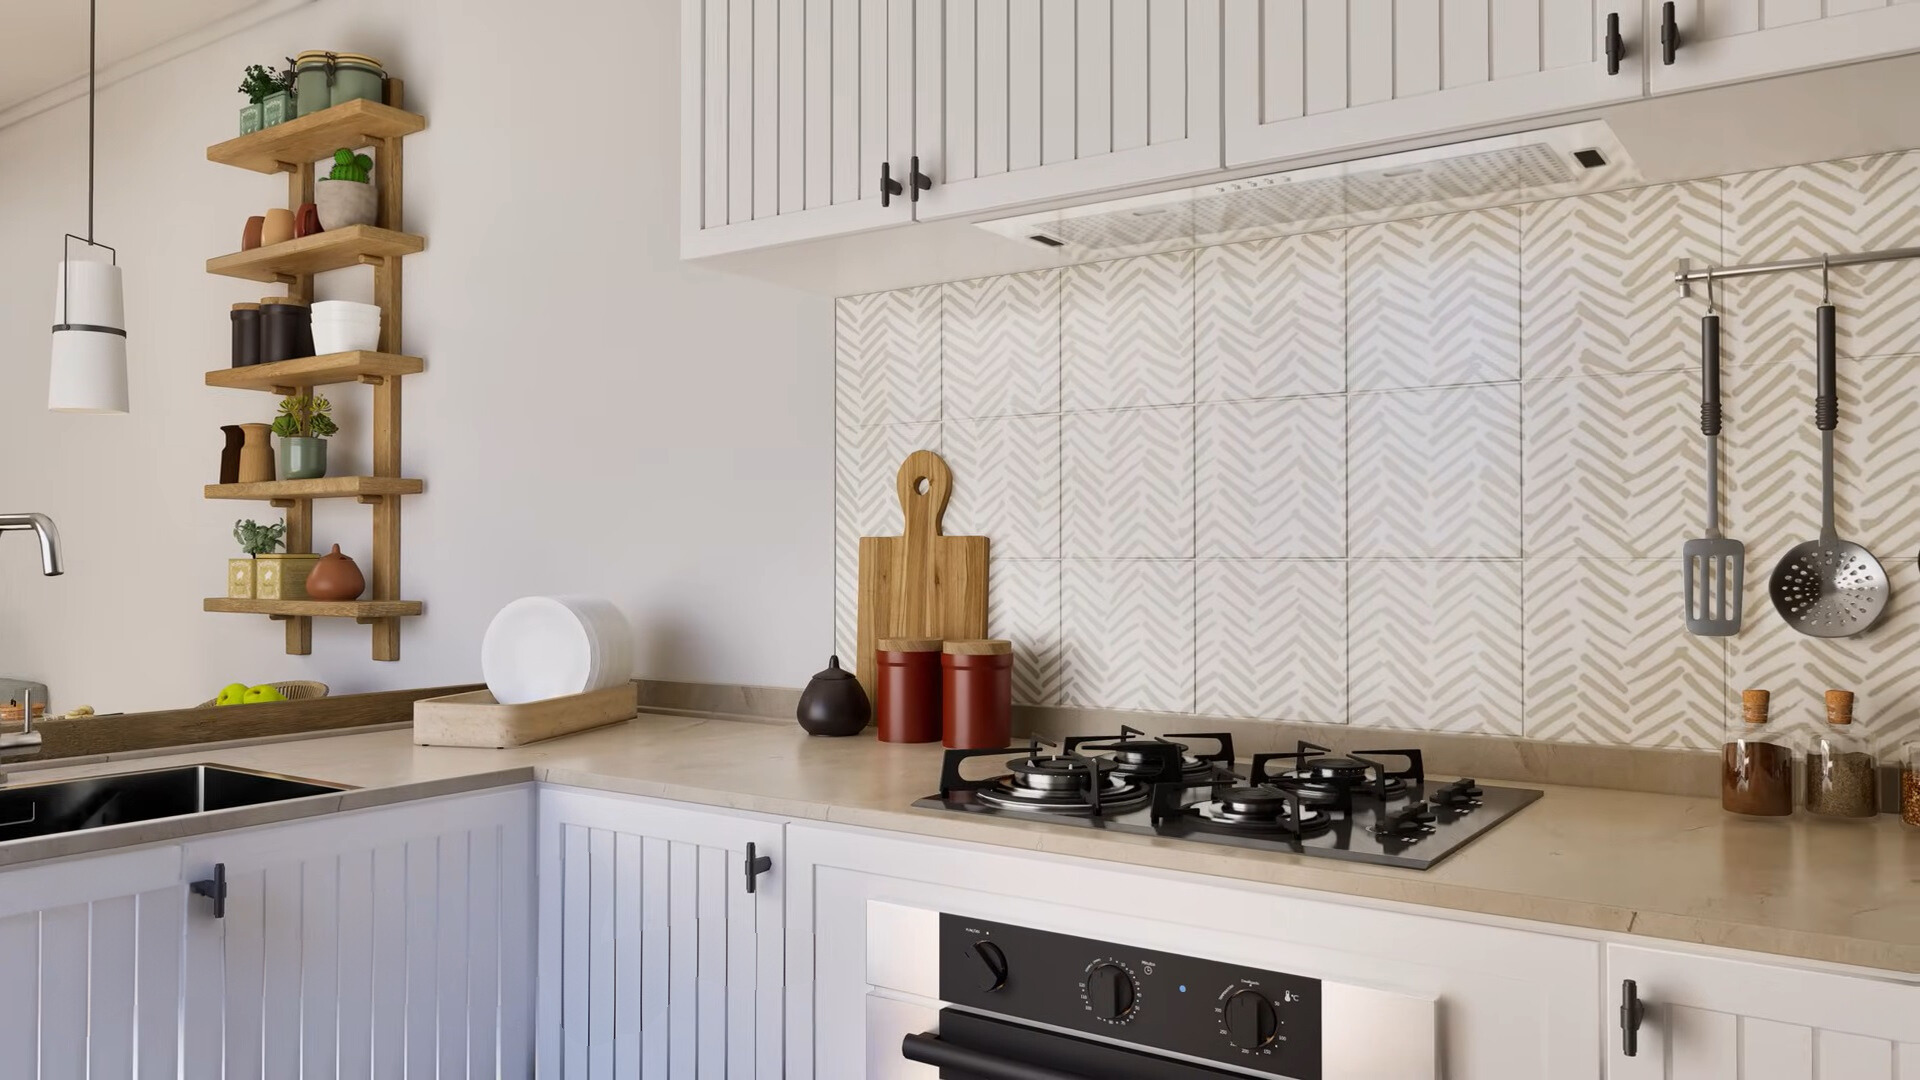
475	719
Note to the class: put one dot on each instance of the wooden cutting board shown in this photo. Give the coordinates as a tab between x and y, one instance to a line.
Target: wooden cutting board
920	583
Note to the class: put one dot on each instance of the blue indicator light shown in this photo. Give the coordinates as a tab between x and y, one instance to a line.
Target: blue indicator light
1183	988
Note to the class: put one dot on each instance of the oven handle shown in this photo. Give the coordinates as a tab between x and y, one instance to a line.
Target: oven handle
928	1049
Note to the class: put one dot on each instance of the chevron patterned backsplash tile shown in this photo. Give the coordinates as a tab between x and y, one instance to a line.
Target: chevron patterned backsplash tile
1429	474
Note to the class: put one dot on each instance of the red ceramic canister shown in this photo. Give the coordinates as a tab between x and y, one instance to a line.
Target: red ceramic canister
976	693
906	689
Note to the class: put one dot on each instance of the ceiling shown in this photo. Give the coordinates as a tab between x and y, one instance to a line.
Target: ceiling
43	43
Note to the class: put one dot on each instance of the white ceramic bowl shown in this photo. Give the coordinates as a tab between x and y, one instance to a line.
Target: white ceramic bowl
537	647
327	309
339	337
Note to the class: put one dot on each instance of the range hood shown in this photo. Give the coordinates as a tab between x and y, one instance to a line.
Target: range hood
1570	159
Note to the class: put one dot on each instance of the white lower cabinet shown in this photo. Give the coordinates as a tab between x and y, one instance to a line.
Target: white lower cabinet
393	942
661	945
1708	1018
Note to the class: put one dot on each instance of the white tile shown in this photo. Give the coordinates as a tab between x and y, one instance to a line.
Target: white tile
1128	631
1272	640
1127	484
1435	473
1435	646
1001	345
1272	479
1006	483
1127	333
1023	606
1434	301
887	357
1270	318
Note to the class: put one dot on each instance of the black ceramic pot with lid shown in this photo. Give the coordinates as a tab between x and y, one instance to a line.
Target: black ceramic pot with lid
834	703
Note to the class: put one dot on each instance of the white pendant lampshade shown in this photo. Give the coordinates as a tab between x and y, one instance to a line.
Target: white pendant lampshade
89	373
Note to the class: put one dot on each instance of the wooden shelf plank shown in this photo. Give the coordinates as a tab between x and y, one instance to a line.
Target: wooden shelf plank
343	609
325	487
302	141
327	370
315	254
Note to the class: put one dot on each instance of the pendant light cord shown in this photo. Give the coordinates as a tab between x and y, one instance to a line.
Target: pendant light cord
93	22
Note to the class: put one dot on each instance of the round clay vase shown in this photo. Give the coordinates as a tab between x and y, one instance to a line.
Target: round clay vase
343	202
335	577
833	702
256	453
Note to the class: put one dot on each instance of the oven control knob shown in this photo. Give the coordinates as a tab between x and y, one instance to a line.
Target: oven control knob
1110	991
989	966
1251	1021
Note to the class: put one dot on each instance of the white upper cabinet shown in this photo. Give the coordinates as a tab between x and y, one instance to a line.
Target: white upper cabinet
1022	100
1311	76
790	109
1724	41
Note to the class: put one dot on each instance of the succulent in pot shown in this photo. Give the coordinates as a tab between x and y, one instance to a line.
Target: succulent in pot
303	425
346	196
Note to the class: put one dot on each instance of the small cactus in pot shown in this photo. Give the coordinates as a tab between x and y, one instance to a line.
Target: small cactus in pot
346	196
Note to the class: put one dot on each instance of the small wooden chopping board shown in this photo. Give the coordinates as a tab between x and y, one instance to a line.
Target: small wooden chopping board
920	583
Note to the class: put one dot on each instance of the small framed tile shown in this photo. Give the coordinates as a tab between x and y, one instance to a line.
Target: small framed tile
1128	628
887	357
1270	318
1006	483
1000	351
1614	465
866	503
1434	645
1434	301
1127	484
1126	333
1023	606
1434	473
1272	479
1608	660
1596	280
1272	640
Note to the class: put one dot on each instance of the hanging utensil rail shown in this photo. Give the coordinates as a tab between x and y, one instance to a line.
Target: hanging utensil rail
1686	275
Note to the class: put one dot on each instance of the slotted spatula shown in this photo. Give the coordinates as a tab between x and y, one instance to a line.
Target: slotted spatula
1716	567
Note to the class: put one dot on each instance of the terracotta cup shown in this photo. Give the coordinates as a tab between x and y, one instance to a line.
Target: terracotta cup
278	228
250	236
306	220
256	454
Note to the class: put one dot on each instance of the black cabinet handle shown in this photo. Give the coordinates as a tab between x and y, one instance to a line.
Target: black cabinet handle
214	889
1631	1013
1669	34
889	187
757	864
920	181
927	1049
1616	45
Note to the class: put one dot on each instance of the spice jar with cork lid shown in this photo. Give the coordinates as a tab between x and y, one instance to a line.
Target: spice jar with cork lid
976	692
1756	769
1910	785
1842	777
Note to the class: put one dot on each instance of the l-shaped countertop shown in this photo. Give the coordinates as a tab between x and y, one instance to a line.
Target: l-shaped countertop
1663	866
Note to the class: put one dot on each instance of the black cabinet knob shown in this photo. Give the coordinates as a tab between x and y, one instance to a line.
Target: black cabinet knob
1110	992
1669	34
1251	1021
989	966
1616	46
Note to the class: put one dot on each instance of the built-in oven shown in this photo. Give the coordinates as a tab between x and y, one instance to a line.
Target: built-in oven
1028	1004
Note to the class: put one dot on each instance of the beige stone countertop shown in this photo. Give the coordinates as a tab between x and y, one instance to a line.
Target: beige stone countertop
1663	866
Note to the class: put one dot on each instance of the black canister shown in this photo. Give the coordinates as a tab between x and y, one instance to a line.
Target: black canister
833	703
286	329
246	335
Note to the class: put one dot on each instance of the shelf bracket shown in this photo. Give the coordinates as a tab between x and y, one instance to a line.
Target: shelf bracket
285	391
372	380
370	500
282	504
279	618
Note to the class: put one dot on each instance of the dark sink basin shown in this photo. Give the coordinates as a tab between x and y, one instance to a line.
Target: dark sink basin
63	806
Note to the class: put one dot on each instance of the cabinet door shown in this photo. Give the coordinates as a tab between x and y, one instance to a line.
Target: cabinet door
1713	1019
789	109
90	966
1306	77
391	942
1731	40
655	959
1021	101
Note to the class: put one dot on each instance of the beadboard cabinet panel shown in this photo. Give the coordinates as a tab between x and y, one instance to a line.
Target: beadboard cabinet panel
1724	41
1310	76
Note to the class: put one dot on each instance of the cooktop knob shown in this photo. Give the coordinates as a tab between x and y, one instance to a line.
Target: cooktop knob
1251	1021
989	966
1110	991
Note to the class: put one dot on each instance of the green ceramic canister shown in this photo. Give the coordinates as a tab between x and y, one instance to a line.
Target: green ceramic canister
357	77
312	82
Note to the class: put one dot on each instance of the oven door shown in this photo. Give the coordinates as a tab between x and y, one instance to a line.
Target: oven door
972	1047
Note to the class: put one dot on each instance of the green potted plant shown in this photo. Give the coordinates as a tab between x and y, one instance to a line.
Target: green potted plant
260	83
277	106
345	197
256	540
303	425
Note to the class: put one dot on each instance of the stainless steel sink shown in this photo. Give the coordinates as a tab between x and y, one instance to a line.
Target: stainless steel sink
62	806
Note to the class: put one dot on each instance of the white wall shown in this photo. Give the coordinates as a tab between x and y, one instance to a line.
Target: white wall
595	417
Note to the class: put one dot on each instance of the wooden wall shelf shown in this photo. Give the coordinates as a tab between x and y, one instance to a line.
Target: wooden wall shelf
325	487
303	141
323	251
307	609
284	376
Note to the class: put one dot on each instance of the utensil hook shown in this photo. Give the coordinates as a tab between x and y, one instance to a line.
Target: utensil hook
1826	291
1710	309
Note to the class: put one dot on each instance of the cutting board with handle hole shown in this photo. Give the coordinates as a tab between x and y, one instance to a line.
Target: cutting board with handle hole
920	583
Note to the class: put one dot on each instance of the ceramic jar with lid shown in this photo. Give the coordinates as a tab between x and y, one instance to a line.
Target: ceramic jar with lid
322	79
246	335
976	693
906	689
286	329
833	703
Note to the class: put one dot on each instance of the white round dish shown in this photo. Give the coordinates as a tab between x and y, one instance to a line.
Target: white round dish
536	648
612	638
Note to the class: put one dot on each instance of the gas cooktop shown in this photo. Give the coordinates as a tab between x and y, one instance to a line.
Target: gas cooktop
1372	806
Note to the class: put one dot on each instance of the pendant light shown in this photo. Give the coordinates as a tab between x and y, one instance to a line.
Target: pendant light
89	372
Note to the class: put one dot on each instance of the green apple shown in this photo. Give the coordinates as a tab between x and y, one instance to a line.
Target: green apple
232	694
258	694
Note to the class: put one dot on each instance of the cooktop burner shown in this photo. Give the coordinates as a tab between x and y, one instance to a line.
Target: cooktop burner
1370	805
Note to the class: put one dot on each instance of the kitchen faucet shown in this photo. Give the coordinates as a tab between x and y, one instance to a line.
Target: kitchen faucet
42	526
